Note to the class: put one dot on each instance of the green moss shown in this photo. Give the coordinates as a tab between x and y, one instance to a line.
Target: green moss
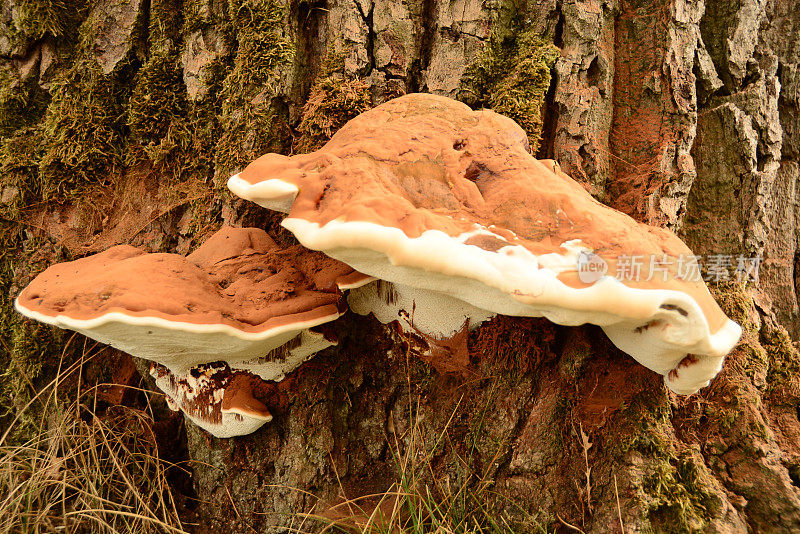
158	102
679	498
165	24
645	427
158	98
737	304
33	20
675	488
750	355
19	167
765	346
36	18
21	103
166	129
253	116
783	357
253	130
78	142
511	77
198	14
333	100
31	131
27	346
82	130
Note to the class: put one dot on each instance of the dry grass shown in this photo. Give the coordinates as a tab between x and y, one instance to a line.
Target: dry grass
423	499
93	470
84	470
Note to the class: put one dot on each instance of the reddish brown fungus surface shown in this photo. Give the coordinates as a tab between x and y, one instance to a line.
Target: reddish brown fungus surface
422	162
239	277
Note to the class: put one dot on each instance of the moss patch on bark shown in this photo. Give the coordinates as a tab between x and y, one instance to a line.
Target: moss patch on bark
27	347
253	115
333	100
512	77
82	130
673	486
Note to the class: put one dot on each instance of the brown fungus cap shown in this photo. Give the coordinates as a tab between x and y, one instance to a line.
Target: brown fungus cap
424	191
238	297
239	399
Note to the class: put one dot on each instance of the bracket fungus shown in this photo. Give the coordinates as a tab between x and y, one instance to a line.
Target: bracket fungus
437	323
240	299
425	193
237	298
430	313
214	398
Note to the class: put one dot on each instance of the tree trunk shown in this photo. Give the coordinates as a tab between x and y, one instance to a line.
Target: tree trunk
121	119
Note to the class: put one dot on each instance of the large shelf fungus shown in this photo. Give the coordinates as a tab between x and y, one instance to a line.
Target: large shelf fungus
240	299
426	193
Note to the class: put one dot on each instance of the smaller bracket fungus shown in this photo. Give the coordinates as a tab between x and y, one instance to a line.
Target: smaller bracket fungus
239	298
428	194
418	311
214	398
439	322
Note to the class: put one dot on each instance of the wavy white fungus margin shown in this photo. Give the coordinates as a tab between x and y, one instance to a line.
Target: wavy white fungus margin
179	346
273	194
357	284
657	327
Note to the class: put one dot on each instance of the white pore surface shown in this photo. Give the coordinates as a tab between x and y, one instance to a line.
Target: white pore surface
431	313
275	195
275	369
513	281
181	391
180	346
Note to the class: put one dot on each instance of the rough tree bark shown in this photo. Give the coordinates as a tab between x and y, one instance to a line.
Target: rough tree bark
120	120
